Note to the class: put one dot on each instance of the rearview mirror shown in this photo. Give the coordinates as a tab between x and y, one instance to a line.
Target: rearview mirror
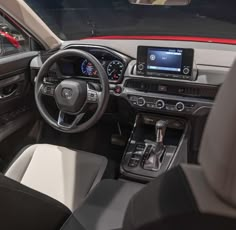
161	2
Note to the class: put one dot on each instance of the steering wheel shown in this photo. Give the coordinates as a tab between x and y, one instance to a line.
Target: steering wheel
72	96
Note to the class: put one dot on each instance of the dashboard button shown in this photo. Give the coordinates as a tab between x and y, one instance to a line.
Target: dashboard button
188	110
162	88
150	105
133	163
133	98
180	106
181	90
118	90
160	104
170	107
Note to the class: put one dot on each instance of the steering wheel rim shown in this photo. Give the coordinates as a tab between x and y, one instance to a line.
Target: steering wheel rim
102	97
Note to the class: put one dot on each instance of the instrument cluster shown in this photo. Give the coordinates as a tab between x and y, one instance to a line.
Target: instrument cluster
82	68
114	69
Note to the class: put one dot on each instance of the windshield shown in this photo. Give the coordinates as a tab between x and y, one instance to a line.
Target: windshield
77	19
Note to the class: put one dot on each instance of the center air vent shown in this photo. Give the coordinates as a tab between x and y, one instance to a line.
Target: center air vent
200	91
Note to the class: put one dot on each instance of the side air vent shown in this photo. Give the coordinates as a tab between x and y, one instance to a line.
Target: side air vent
206	92
52	74
51	77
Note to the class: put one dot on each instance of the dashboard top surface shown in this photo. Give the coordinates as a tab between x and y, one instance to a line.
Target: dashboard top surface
211	54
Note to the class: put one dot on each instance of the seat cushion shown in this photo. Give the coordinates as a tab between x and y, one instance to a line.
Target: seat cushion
105	207
63	174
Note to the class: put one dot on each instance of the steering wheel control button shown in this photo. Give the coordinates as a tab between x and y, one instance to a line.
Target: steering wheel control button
92	96
48	90
141	101
180	106
186	71
160	104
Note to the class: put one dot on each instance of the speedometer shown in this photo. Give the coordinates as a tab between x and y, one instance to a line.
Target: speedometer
114	70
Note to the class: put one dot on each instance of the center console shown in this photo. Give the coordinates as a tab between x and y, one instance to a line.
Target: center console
163	85
157	143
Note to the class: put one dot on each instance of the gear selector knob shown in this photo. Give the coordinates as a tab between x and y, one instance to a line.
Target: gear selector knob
160	128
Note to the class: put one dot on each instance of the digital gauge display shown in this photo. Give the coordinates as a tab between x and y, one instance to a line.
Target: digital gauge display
88	68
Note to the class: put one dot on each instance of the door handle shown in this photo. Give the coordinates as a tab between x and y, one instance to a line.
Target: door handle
8	91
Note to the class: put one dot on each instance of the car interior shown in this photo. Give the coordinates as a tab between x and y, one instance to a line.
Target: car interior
131	132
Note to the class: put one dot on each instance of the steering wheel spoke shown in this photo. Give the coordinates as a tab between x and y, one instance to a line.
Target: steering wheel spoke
68	125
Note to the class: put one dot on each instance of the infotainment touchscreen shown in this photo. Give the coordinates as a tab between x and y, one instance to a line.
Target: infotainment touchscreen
163	61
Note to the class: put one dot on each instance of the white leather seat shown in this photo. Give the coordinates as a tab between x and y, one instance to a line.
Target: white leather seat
63	174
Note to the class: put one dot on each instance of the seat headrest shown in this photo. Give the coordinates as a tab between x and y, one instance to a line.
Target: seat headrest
218	147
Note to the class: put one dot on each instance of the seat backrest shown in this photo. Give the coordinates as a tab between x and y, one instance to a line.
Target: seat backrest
25	208
218	148
168	203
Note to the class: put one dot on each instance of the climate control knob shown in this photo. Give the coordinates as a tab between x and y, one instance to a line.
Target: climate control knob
160	104
141	101
180	106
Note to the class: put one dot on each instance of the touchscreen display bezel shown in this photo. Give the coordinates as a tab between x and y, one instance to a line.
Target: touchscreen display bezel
186	61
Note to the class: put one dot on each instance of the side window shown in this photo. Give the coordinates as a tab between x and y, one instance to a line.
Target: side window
12	40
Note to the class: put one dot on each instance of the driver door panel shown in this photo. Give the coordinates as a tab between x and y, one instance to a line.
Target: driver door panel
15	85
16	103
17	110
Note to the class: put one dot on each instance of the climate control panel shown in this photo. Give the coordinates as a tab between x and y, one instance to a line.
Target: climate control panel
156	104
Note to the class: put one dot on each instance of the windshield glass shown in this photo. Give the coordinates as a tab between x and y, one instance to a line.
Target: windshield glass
77	19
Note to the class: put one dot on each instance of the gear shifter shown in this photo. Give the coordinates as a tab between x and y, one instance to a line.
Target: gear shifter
160	131
155	149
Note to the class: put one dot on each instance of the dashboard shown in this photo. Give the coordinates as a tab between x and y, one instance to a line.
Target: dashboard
174	78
